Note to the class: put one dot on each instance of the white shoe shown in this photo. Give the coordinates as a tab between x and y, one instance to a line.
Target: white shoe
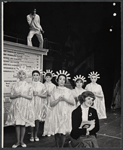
15	145
23	145
36	139
32	139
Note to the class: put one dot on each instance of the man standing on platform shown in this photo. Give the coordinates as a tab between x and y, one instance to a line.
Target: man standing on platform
35	28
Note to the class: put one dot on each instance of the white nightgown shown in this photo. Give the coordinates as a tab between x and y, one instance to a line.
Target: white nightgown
76	92
61	119
21	110
47	128
39	103
99	103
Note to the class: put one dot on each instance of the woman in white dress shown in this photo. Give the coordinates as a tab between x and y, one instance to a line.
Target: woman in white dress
21	111
99	103
79	81
62	103
50	87
39	100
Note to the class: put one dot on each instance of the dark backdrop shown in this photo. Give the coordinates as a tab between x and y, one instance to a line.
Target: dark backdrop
81	29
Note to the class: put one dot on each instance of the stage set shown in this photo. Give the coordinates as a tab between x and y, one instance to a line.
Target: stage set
81	44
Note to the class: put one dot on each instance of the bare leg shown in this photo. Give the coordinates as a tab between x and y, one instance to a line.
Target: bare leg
36	127
18	134
63	138
31	128
22	134
57	139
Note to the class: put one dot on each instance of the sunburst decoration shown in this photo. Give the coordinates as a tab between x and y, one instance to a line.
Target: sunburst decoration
62	72
79	77
37	69
48	71
21	68
95	74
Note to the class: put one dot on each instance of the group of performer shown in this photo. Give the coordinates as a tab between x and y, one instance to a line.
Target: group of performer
64	111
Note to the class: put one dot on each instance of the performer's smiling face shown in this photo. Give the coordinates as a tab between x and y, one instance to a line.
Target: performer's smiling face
36	76
61	80
93	79
88	101
79	83
21	75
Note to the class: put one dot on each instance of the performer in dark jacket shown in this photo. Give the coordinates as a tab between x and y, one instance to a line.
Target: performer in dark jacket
85	122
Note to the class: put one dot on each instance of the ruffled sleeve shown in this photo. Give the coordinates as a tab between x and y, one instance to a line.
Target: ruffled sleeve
13	89
87	87
54	88
30	93
101	91
44	89
73	92
52	97
71	97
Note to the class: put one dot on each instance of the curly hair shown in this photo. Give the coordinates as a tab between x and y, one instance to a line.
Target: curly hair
85	94
21	71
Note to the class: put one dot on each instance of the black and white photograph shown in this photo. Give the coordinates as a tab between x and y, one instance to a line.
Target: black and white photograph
61	74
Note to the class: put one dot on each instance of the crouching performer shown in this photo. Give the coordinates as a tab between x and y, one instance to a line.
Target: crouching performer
85	123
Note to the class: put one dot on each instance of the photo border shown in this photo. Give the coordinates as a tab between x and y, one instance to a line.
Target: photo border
1	43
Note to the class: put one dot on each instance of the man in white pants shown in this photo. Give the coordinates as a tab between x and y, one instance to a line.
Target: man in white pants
35	28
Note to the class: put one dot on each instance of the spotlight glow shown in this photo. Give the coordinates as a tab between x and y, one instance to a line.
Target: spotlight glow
110	30
114	14
114	4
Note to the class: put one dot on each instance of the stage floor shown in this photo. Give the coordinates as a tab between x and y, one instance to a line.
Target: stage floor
109	135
